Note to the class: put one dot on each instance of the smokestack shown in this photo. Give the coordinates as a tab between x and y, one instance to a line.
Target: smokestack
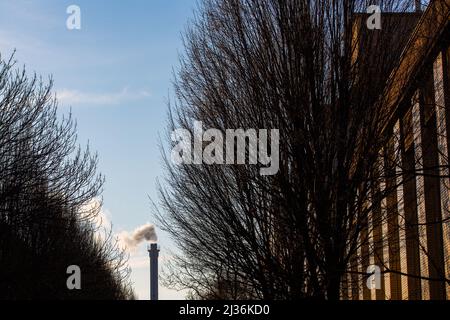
418	6
153	253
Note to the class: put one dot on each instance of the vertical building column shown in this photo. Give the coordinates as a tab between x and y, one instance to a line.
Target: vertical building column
354	282
401	212
348	290
421	214
345	287
430	158
361	283
443	156
365	252
376	239
410	208
384	231
372	294
392	219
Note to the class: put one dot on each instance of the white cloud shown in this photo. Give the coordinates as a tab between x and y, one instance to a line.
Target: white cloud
101	220
73	98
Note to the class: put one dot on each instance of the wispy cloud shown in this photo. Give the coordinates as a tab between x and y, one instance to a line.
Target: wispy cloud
99	217
75	97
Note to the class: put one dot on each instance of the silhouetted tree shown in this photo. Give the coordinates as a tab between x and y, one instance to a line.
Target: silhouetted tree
313	70
47	210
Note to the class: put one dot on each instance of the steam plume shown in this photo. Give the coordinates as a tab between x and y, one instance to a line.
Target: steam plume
147	232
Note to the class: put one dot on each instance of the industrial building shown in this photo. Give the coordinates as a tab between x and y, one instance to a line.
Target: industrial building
406	242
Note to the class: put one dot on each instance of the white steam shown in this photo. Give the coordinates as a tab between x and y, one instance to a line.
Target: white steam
147	232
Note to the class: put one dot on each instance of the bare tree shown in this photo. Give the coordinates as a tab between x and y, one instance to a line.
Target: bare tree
313	70
46	182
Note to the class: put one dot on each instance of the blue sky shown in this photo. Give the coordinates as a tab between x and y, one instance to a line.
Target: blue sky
116	74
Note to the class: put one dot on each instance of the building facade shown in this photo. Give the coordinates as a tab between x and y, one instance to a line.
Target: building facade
404	253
